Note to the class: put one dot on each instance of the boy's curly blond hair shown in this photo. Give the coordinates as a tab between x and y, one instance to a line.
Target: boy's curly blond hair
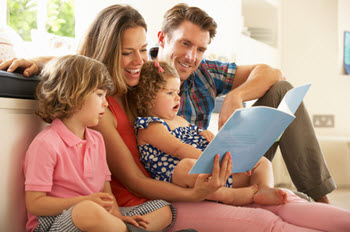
66	82
151	81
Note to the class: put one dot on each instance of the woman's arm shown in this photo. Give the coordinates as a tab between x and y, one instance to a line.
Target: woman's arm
158	135
115	208
123	167
39	204
28	66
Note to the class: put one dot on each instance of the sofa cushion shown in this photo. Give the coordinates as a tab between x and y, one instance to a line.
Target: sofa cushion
15	85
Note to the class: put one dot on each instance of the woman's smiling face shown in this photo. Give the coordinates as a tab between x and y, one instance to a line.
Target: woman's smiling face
134	53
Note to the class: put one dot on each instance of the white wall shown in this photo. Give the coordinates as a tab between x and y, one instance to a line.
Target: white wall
18	125
310	54
309	49
343	25
227	14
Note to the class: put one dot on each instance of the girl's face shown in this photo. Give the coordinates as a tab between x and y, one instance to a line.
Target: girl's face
93	108
134	53
167	101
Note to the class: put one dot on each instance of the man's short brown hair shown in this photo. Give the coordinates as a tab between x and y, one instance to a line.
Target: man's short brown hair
182	12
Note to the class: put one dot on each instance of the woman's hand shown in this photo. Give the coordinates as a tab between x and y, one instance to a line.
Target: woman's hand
136	220
209	183
208	135
27	66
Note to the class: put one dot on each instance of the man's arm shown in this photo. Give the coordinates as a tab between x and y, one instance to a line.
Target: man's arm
251	82
28	66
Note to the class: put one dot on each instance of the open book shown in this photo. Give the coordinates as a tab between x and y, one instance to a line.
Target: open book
250	132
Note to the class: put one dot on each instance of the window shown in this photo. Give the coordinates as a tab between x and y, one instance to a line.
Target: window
21	16
53	16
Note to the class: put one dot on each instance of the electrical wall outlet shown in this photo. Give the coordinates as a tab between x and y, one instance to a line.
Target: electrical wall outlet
323	120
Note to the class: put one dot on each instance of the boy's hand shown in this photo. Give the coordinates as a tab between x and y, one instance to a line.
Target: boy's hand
103	199
208	135
136	220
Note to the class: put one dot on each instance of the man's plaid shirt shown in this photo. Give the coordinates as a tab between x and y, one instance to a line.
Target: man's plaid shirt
198	92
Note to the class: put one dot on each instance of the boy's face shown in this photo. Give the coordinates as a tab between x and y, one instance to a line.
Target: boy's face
185	46
167	101
93	108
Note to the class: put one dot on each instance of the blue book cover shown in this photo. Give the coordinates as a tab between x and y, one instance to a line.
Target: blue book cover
347	52
250	132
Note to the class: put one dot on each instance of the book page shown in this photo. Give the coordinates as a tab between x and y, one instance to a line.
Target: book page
292	99
249	133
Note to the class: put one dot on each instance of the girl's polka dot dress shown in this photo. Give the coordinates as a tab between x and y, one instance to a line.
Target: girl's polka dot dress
159	164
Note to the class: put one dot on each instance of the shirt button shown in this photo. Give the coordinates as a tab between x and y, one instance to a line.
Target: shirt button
80	145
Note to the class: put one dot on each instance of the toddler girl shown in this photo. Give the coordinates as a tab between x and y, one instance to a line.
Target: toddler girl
169	146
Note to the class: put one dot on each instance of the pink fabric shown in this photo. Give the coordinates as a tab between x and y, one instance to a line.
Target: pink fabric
296	215
63	165
318	216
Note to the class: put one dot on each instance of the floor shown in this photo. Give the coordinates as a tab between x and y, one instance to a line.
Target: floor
341	198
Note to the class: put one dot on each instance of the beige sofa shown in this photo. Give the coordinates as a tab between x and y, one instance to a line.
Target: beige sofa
18	125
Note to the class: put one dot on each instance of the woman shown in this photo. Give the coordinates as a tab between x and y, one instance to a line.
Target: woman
118	39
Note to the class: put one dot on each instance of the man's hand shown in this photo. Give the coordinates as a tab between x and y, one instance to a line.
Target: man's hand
251	82
231	103
28	67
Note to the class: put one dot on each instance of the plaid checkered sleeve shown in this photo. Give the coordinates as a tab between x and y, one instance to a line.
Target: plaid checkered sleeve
198	92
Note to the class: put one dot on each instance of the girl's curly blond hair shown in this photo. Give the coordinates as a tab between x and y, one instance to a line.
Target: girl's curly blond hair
152	79
65	84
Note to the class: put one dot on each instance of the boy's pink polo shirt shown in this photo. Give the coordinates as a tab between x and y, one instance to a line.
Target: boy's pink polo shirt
62	165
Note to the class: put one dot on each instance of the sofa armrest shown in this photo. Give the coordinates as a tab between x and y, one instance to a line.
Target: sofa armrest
15	85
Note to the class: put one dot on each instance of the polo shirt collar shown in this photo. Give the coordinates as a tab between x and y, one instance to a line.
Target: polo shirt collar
68	136
72	140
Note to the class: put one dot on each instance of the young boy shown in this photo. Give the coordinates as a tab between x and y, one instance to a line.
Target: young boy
66	173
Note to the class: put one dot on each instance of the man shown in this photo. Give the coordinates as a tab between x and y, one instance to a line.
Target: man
186	32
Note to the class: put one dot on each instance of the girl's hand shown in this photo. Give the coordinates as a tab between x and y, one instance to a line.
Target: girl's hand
208	135
103	199
26	66
136	220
